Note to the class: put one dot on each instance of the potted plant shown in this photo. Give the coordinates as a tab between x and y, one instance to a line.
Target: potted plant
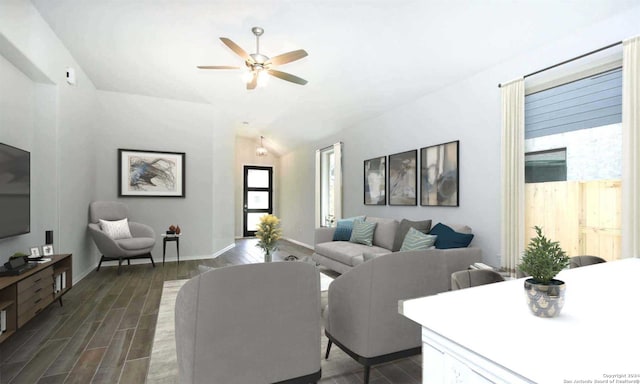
268	233
543	260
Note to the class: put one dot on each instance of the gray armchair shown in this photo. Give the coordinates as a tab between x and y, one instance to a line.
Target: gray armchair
253	323
362	316
139	246
474	277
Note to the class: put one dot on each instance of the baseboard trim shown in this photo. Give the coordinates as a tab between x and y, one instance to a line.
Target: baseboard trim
158	259
300	243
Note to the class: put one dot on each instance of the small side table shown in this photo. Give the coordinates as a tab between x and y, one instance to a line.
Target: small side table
166	238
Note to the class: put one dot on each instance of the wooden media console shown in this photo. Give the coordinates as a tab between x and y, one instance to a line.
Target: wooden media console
23	296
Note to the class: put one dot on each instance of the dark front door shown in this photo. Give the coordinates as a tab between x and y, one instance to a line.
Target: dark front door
258	196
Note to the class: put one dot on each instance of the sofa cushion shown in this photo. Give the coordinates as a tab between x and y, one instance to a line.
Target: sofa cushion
423	226
385	232
346	252
363	232
136	243
371	255
344	228
417	241
448	238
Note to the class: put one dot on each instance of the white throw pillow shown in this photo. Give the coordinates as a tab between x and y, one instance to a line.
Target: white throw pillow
116	229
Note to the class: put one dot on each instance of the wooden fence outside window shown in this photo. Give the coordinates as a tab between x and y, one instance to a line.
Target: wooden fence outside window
584	216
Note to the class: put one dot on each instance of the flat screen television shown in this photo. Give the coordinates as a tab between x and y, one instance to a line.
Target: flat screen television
15	191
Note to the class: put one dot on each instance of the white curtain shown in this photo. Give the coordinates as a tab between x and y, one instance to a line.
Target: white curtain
512	186
631	145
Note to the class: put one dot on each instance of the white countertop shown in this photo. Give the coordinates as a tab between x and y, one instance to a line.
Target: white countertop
596	334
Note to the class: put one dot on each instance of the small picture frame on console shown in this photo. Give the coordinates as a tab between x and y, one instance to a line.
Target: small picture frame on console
34	252
47	250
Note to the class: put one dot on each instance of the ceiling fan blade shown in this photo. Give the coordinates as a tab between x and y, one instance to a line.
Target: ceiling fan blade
288	57
287	76
236	48
254	81
217	67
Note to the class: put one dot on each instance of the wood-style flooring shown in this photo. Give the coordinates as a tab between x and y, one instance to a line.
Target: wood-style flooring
103	333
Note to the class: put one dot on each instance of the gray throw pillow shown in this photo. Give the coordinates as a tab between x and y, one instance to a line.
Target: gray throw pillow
423	226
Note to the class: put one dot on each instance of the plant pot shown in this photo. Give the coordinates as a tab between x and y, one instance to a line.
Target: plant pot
545	300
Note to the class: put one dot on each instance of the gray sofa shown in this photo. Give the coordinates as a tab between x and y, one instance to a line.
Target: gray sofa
342	256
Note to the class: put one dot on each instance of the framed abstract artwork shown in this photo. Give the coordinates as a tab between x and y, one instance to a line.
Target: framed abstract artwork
375	177
403	178
151	173
439	175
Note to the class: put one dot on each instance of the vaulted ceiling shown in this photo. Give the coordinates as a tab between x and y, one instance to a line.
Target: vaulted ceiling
365	56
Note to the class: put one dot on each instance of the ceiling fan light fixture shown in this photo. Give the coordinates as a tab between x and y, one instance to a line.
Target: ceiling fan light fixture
263	78
261	150
259	65
247	76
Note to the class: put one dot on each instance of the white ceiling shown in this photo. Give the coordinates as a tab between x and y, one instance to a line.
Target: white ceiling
365	56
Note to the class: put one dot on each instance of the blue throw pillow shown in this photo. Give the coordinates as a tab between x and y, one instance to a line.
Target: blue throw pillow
448	238
344	228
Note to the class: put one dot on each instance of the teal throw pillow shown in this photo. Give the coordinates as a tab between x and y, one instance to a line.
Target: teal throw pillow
448	238
417	241
344	228
363	232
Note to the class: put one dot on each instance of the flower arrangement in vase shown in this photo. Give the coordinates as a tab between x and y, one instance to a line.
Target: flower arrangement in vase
268	232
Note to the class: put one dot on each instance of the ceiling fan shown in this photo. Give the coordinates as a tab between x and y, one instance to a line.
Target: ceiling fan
258	63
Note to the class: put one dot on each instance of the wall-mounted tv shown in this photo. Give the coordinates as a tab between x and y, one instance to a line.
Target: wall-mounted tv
15	188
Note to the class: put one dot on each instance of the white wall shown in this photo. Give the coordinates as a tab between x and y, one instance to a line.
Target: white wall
58	132
26	112
223	201
73	133
147	123
297	190
468	111
246	155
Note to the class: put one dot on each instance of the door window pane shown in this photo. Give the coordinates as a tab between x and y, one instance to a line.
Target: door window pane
258	178
257	200
253	219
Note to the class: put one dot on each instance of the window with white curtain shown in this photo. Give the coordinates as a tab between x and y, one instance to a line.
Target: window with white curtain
328	185
573	163
614	196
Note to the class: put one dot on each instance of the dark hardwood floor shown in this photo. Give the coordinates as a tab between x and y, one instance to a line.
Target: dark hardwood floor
103	333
